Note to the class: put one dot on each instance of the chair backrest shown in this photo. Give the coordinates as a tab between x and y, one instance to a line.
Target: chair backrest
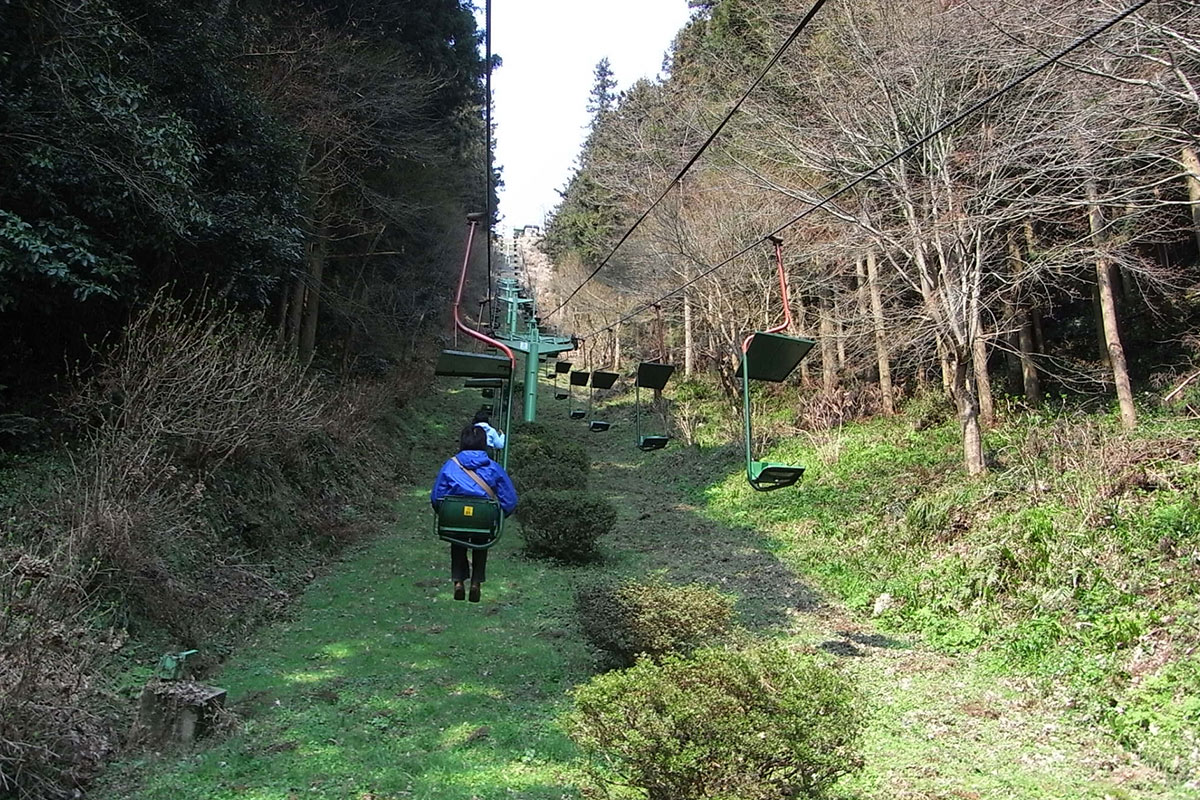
468	516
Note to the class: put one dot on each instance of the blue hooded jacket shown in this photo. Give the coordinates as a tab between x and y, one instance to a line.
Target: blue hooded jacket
453	481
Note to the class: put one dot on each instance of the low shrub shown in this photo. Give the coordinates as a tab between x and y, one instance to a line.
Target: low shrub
540	462
756	723
564	525
51	744
652	618
528	430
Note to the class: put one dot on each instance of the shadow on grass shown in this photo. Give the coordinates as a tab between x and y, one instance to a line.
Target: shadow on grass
664	531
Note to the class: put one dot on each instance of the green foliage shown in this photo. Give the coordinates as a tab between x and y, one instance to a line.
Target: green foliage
149	143
533	430
1162	714
565	525
491	696
756	723
652	618
1069	561
537	462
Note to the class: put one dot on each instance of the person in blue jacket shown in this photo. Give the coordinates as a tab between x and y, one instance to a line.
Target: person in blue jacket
456	479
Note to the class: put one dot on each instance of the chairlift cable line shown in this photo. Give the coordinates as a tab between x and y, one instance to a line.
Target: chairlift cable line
487	133
695	157
1015	82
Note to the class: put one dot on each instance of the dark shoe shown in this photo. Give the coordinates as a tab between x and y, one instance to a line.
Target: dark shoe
474	596
458	590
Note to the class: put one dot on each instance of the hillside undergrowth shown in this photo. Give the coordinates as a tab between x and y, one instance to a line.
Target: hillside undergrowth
1072	561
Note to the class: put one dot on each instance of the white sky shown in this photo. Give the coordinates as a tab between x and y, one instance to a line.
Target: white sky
550	49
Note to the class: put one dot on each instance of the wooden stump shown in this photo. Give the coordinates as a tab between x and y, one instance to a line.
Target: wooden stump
176	712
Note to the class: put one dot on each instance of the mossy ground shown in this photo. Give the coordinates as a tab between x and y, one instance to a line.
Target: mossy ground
380	686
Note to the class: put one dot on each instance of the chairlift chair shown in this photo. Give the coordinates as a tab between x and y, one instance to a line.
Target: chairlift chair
470	521
651	375
602	381
560	368
474	522
578	378
770	356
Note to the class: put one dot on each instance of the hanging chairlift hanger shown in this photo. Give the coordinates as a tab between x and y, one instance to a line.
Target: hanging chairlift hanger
602	381
475	522
770	356
577	378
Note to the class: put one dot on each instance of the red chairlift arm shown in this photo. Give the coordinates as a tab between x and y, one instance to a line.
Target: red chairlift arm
783	292
462	280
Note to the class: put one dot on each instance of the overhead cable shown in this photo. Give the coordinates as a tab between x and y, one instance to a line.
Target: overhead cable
691	161
1015	82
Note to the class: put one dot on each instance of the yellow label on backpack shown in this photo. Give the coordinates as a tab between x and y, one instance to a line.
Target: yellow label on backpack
468	511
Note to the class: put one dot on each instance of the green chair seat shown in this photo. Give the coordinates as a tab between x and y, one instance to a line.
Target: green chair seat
603	380
773	356
561	395
461	364
766	476
483	383
597	426
653	442
652	375
473	522
578	413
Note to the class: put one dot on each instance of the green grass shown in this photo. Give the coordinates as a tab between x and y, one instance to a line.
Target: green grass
380	686
1067	563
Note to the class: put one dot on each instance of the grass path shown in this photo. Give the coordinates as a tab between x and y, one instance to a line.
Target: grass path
380	686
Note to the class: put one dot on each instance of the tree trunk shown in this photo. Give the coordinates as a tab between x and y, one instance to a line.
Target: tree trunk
881	349
828	342
1029	373
1098	322
840	332
983	383
1191	162
947	369
798	322
1012	348
689	346
968	416
617	348
312	299
1108	314
280	311
295	309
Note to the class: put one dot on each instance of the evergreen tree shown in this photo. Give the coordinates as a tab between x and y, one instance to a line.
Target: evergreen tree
601	100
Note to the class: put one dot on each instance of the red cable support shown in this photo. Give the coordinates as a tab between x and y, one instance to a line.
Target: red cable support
783	291
459	325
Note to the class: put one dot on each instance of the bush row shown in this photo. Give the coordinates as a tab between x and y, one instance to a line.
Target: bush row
680	719
753	723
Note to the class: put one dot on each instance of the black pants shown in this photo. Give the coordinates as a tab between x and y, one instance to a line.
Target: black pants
460	571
